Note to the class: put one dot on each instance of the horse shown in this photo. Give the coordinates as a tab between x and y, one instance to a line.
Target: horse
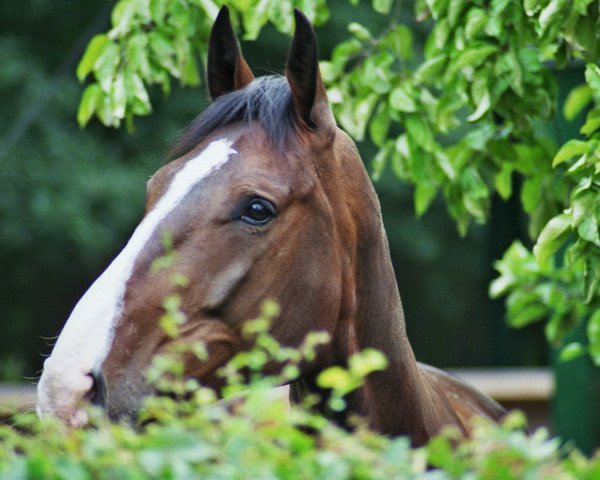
264	197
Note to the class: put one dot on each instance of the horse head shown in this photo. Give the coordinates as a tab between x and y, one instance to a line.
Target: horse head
264	197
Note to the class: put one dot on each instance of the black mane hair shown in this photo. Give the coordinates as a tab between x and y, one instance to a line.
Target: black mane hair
267	100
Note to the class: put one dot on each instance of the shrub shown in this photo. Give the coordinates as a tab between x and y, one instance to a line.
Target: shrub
248	434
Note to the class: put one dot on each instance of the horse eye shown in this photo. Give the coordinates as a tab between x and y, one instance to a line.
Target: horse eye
258	212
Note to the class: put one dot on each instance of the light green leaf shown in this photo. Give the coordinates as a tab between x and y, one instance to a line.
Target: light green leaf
474	56
92	52
336	378
476	21
501	285
482	108
431	69
382	6
571	351
503	181
118	96
158	10
593	334
446	165
399	41
401	99
89	103
361	115
591	124
367	361
359	31
122	17
380	160
419	131
380	124
569	150
106	65
576	101
551	12
552	237
588	230
424	195
255	19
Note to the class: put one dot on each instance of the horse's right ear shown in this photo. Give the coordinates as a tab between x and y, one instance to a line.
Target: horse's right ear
226	70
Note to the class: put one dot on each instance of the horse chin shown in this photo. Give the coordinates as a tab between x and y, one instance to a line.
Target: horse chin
123	403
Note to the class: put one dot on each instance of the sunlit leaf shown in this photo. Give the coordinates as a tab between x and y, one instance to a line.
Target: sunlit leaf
552	237
92	52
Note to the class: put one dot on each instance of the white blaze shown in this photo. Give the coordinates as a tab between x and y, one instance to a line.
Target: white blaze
88	333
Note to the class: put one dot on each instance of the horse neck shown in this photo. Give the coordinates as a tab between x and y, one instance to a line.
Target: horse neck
398	400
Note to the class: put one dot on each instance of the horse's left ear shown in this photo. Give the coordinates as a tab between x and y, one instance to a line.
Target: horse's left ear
303	75
226	68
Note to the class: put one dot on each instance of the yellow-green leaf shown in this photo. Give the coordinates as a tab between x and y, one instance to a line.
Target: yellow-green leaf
92	52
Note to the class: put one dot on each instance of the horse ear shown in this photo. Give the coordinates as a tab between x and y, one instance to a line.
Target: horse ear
303	75
226	69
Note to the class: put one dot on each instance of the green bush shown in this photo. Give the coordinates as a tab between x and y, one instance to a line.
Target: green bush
248	434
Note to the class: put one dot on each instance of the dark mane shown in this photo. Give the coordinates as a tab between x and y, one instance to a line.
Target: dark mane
267	100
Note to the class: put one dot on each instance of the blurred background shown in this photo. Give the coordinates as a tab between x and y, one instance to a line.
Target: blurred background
70	198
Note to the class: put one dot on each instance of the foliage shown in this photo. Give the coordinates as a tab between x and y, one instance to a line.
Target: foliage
464	121
248	434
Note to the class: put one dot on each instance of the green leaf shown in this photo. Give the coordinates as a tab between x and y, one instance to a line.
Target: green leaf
552	237
401	99
382	6
571	351
361	114
106	65
158	10
591	124
482	108
367	361
281	14
122	17
380	124
525	308
569	150
501	285
593	334
399	41
446	165
118	96
576	101
551	12
92	52
359	31
136	52
255	19
419	131
588	230
503	181
476	21
474	56
424	195
431	69
90	101
336	378
592	76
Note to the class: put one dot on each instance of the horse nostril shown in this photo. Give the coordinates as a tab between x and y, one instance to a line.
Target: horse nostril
97	394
